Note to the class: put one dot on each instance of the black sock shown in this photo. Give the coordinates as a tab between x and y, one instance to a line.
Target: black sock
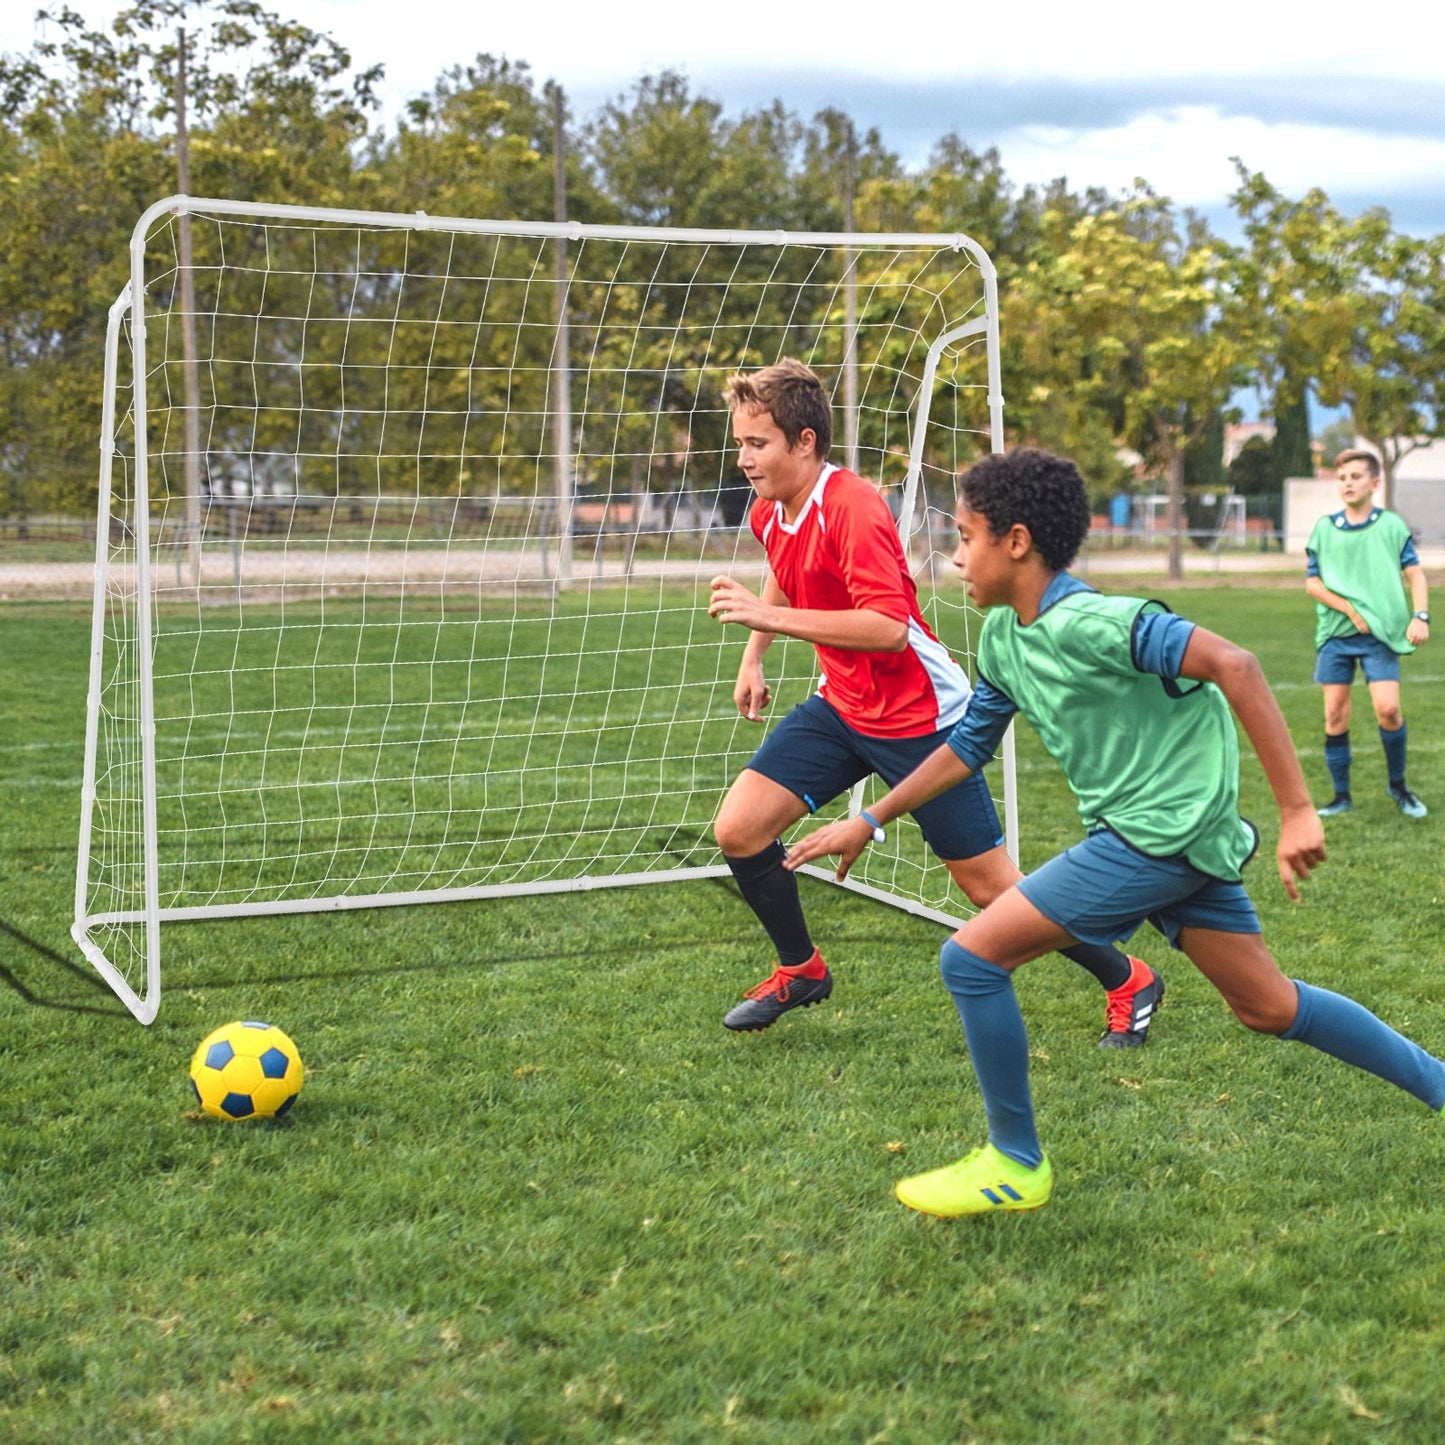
772	893
1111	967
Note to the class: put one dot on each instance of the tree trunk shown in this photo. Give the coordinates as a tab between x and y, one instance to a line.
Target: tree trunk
1174	512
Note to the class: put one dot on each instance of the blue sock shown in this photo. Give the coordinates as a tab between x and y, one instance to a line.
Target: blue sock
1340	1027
1337	760
1394	755
999	1048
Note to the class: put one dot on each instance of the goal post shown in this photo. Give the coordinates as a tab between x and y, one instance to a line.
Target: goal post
441	630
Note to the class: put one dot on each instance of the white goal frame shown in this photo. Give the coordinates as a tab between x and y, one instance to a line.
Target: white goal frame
160	567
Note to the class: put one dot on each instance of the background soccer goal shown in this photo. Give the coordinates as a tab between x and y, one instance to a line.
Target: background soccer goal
406	529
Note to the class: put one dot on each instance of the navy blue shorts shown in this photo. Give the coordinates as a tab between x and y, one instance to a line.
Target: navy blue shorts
1336	659
812	752
1101	890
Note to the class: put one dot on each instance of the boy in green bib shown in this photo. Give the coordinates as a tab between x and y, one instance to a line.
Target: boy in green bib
1356	560
1139	707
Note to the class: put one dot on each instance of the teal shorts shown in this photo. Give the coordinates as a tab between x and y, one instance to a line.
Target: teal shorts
1101	890
1335	662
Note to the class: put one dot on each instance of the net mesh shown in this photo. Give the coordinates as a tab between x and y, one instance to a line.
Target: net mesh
396	648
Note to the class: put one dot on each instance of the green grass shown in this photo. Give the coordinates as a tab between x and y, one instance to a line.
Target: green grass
533	1192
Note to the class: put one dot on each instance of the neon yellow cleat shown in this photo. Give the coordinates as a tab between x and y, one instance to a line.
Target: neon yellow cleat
983	1182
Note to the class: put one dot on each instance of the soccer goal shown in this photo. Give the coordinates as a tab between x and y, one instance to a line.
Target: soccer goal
406	530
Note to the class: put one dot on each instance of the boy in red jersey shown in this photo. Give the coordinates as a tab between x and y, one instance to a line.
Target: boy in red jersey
890	694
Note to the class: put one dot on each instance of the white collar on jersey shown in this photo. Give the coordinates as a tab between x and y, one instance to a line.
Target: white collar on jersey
815	499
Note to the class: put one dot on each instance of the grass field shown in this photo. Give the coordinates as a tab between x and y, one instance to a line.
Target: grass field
534	1192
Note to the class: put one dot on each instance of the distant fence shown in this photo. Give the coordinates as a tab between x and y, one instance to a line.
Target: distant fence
53	557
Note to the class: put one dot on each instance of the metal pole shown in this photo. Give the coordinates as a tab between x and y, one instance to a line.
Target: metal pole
561	381
190	381
850	313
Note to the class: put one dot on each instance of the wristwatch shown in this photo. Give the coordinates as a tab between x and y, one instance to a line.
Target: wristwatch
1423	617
879	836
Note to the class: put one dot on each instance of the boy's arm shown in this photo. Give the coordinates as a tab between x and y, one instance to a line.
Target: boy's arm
938	772
857	629
1416	630
1322	594
1237	674
751	693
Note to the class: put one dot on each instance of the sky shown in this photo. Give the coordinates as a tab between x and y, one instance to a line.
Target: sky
1352	101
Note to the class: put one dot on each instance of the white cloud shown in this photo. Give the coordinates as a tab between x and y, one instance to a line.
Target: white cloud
1189	147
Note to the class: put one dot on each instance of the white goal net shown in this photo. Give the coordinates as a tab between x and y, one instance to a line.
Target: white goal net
406	530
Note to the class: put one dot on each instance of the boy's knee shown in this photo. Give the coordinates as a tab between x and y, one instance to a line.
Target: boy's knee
728	838
967	973
736	834
1267	1016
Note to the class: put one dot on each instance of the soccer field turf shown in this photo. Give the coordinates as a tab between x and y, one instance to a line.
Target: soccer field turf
532	1191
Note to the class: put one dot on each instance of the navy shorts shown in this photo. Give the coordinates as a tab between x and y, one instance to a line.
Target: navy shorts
1336	659
1101	890
812	752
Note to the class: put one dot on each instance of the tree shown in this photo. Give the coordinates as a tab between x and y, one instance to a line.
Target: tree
1339	436
1291	451
86	150
75	182
654	160
1252	472
1130	324
836	160
1204	456
480	144
1352	305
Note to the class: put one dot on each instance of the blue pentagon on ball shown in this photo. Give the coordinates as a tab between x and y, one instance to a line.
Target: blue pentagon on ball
219	1055
246	1070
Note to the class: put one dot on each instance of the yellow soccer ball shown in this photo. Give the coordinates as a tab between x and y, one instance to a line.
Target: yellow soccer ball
246	1070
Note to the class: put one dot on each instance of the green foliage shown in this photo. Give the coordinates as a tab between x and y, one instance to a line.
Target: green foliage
82	155
658	155
1204	458
1352	304
1252	473
1291	450
1339	436
533	1191
480	145
1127	327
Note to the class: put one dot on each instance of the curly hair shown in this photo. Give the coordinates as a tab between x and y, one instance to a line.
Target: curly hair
792	395
1035	489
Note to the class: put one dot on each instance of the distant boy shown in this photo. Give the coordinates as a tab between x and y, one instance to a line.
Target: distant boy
1139	708
890	692
1356	560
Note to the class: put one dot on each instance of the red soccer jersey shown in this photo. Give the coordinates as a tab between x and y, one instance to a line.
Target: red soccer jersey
842	554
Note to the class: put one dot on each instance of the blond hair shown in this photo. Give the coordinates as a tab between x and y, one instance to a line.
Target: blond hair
1359	454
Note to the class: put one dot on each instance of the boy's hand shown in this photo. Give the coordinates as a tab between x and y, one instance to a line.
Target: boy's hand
751	692
732	602
844	840
1301	847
